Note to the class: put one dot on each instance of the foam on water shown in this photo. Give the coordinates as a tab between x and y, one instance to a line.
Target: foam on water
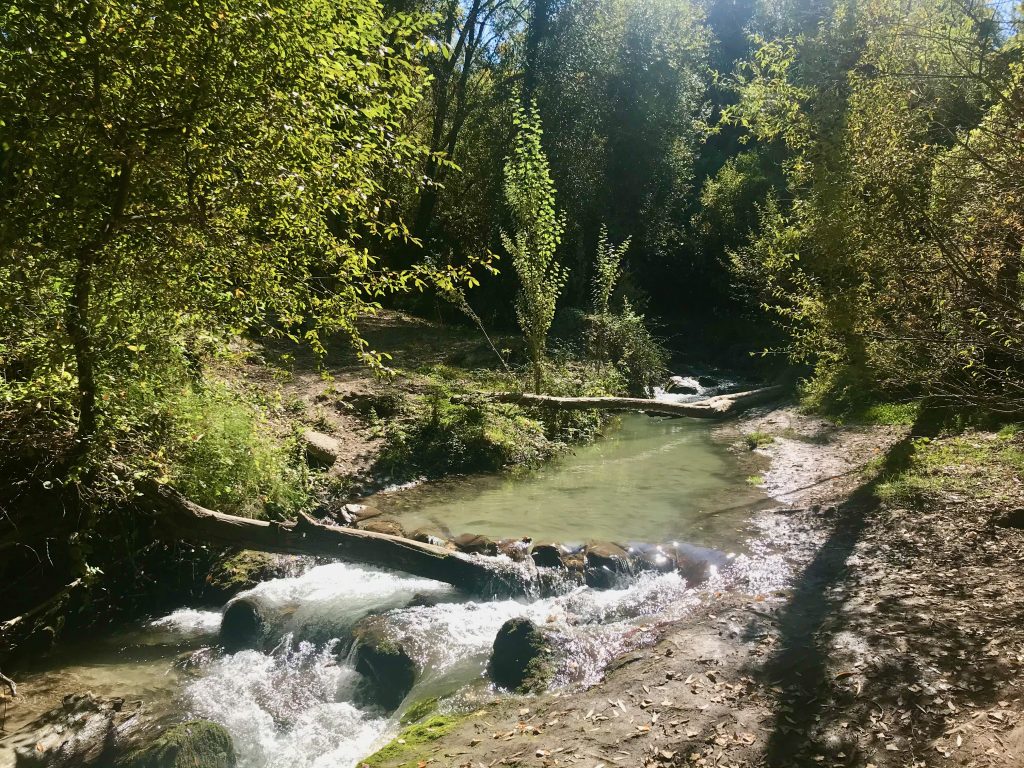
189	621
294	707
288	709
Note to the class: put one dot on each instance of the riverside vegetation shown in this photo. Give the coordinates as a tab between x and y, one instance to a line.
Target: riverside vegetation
224	226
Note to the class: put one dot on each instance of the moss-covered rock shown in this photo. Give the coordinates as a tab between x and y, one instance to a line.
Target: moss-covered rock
241	571
196	744
384	663
521	659
408	749
419	710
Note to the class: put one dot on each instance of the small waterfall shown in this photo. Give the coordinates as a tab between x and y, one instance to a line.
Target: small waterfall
295	704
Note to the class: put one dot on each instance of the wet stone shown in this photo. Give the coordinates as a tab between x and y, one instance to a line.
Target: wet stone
607	565
383	661
475	544
245	624
196	743
515	549
383	525
521	657
547	556
430	536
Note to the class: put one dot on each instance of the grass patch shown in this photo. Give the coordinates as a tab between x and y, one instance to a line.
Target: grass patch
757	439
978	465
755	480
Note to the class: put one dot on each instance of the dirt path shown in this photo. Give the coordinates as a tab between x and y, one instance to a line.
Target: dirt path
899	644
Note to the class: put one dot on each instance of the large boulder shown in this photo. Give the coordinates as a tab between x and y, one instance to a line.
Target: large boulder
196	744
383	661
521	659
244	570
246	623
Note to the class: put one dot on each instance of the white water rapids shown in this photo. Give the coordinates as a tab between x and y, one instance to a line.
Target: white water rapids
295	706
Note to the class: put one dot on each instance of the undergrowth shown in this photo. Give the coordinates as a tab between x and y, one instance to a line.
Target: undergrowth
454	428
977	465
213	443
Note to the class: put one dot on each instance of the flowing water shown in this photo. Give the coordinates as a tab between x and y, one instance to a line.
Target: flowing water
297	703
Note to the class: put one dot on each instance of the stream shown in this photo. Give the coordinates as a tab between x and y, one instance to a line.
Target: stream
297	702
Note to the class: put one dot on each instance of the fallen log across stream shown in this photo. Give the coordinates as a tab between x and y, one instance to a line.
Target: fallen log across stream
178	518
716	407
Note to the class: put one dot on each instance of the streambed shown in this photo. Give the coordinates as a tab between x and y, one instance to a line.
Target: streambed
296	702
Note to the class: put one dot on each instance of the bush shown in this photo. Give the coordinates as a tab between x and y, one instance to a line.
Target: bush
214	444
624	340
438	437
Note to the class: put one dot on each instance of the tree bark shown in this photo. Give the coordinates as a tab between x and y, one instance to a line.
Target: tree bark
178	518
77	316
712	408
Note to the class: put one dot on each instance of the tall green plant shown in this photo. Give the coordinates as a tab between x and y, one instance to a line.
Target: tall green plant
607	269
538	227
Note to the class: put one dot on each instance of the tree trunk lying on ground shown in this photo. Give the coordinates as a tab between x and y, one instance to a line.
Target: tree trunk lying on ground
178	518
711	408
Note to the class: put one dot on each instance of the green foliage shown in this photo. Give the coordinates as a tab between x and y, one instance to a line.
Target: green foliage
621	338
893	257
624	340
537	231
758	439
172	175
440	437
213	444
607	270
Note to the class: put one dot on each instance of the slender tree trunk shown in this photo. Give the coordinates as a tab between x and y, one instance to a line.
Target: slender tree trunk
78	314
80	332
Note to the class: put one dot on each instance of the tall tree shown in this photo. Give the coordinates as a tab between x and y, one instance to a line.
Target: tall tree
186	170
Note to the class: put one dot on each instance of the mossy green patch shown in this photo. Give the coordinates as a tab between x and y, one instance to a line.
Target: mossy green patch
419	710
758	439
407	749
192	744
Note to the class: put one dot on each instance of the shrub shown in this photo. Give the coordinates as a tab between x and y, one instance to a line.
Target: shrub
213	443
437	437
624	340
